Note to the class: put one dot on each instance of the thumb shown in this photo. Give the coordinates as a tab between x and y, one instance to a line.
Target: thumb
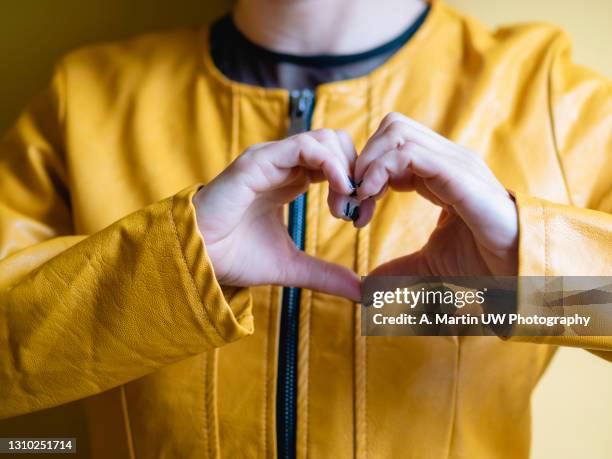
315	274
409	265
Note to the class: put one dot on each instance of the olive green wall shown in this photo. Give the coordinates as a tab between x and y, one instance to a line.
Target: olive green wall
36	33
573	404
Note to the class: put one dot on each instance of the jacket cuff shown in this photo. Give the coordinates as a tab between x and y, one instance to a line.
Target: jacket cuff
531	256
556	240
532	236
226	312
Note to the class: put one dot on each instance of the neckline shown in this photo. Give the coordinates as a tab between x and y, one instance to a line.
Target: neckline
323	60
359	84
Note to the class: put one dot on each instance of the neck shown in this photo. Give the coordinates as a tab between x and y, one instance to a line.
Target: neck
310	27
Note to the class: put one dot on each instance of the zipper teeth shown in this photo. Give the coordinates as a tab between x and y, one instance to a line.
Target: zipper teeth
289	342
301	103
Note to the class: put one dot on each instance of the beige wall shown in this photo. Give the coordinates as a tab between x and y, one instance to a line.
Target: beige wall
586	21
573	404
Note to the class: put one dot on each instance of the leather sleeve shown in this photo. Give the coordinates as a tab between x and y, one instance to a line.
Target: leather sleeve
80	314
574	239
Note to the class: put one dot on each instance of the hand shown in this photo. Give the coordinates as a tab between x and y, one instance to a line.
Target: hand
240	213
477	231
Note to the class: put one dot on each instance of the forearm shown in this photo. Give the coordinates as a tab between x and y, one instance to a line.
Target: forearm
561	240
84	314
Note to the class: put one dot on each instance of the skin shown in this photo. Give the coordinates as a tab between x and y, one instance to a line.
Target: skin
477	232
240	213
307	27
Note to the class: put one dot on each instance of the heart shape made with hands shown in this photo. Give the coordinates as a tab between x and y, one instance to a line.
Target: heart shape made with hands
240	213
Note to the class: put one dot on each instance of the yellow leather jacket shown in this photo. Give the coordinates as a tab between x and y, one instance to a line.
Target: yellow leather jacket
108	299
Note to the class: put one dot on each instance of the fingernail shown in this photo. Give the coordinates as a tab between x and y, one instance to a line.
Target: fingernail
354	184
347	210
353	194
355	214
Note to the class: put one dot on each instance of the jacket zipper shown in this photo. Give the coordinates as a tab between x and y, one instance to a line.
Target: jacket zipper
301	103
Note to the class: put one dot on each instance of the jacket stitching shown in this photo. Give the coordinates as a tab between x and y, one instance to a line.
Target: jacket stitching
546	242
205	315
371	126
315	243
128	425
211	362
62	96
455	406
205	413
551	118
266	385
235	122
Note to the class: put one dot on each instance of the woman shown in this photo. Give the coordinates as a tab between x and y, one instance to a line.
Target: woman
117	295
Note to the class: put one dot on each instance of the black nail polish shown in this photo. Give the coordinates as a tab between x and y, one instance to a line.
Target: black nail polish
355	185
353	194
347	210
355	214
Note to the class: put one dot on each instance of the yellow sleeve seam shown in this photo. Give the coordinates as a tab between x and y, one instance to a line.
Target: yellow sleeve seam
193	285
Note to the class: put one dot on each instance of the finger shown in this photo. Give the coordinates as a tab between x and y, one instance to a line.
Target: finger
371	152
395	132
424	188
339	143
329	139
388	119
449	174
368	153
348	148
326	155
366	212
380	194
418	184
309	272
380	171
397	166
409	265
343	207
428	135
270	166
259	146
316	176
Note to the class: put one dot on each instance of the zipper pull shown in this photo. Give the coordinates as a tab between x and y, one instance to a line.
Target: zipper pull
301	102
